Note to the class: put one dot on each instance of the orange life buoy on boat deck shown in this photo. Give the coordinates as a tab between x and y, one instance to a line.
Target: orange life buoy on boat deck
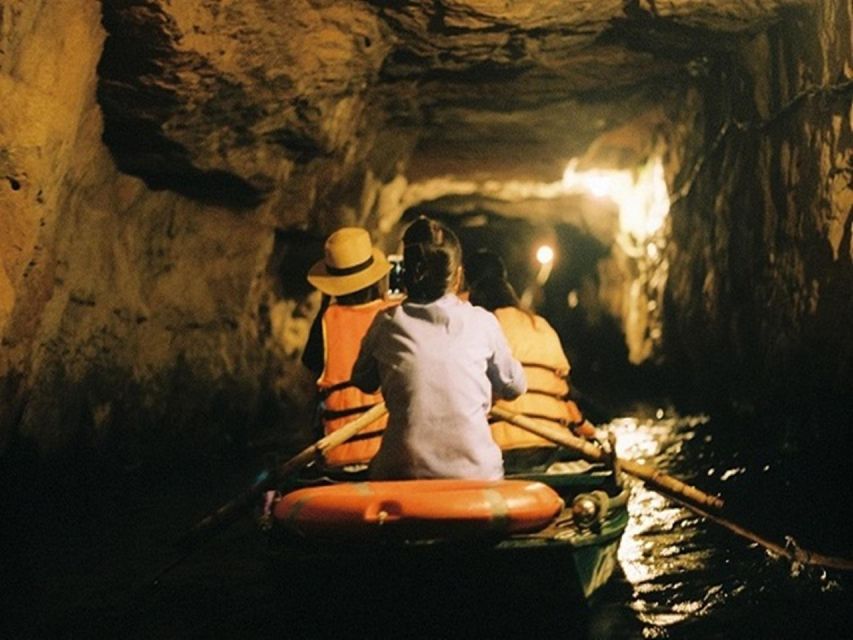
419	508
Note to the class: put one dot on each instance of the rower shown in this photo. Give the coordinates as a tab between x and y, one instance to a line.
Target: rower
350	276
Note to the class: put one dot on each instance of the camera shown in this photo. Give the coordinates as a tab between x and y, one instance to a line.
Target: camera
395	276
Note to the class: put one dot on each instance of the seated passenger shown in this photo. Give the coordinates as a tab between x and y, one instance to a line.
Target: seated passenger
535	343
478	265
439	362
349	277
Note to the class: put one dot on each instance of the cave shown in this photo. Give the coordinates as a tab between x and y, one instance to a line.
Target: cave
170	171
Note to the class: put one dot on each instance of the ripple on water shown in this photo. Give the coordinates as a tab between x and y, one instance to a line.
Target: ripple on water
690	578
662	551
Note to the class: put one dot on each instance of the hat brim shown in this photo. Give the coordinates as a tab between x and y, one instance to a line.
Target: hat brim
335	285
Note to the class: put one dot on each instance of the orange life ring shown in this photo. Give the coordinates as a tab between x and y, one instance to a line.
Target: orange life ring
419	508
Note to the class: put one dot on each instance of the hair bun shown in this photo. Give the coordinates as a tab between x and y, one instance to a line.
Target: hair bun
431	254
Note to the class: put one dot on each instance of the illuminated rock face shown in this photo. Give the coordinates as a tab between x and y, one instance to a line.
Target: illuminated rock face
167	171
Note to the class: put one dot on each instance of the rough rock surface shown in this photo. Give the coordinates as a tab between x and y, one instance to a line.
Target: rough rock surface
760	294
168	169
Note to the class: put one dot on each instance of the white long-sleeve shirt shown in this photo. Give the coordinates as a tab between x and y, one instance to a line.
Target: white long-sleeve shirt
440	365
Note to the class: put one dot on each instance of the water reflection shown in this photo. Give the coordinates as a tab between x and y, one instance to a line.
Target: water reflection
662	539
690	578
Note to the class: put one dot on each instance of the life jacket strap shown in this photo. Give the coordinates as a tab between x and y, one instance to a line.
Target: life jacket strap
571	424
325	392
557	396
537	365
537	416
366	436
331	414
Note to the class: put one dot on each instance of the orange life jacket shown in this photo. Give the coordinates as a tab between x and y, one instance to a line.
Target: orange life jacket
537	346
343	329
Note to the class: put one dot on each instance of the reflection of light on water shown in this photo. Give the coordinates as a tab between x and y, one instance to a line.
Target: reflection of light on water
634	441
732	472
688	578
660	540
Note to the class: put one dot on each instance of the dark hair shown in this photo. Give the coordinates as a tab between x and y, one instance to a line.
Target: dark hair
431	256
493	292
362	296
483	264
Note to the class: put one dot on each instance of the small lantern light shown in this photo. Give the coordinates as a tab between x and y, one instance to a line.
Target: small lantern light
545	255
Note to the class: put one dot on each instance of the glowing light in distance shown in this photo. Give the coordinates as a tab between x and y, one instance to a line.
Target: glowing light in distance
545	254
641	196
599	185
572	299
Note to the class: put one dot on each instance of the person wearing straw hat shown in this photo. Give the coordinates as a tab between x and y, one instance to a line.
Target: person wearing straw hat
350	276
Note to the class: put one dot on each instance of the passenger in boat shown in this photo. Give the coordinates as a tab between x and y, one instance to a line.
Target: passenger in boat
480	264
536	344
350	276
439	362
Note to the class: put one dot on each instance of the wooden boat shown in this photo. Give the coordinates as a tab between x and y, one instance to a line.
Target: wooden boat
435	567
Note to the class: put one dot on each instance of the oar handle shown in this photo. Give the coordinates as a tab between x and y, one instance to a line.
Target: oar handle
332	440
661	480
558	436
228	512
595	454
225	514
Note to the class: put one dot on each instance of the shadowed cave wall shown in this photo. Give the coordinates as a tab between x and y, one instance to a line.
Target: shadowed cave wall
759	297
169	173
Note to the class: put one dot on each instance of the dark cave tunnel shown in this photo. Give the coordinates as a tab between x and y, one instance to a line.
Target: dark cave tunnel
173	169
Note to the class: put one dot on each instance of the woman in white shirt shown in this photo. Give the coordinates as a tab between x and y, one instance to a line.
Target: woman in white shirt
440	363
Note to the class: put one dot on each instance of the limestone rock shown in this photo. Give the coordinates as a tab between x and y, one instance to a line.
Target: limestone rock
168	171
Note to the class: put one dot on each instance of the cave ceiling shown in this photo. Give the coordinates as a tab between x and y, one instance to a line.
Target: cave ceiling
259	102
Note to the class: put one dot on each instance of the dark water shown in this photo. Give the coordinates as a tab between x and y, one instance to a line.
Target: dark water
683	577
95	559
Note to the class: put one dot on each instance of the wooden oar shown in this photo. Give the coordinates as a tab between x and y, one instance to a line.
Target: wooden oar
648	474
790	551
685	494
229	511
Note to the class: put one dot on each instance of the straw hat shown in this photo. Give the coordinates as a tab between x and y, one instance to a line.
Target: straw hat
351	263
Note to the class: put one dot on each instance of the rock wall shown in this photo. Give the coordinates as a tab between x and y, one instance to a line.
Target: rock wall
128	316
167	170
760	295
147	171
49	133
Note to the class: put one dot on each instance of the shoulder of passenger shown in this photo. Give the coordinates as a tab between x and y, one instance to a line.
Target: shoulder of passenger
488	320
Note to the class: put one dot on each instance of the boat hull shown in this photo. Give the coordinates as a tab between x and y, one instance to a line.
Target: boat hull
532	583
